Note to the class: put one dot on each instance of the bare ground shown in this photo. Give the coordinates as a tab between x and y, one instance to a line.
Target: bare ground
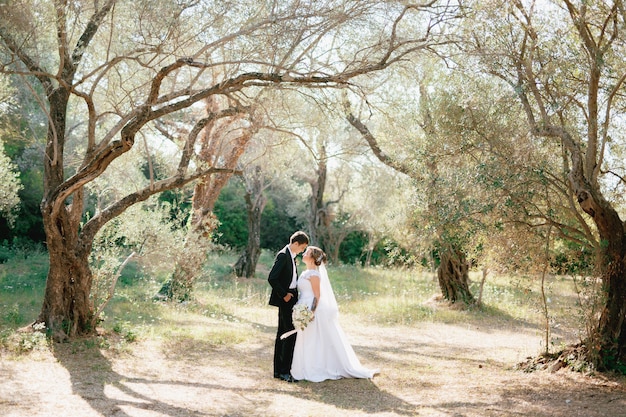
426	370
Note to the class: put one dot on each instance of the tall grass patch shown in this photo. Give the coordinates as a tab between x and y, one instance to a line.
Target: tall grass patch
22	284
519	298
383	296
224	310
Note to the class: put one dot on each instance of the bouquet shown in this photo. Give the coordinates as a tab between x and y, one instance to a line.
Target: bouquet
301	316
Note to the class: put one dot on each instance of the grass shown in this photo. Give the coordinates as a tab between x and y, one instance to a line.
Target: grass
22	284
372	295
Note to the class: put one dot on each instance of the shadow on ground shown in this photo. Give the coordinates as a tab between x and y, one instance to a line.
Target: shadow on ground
92	375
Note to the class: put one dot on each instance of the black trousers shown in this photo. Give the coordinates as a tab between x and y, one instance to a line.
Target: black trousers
283	349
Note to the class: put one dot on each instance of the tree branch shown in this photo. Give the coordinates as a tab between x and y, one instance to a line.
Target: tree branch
100	219
373	144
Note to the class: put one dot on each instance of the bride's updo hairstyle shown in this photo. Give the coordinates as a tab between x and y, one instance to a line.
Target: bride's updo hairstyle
318	255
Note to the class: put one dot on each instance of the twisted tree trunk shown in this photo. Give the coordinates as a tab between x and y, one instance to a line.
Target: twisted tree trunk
453	276
255	203
217	147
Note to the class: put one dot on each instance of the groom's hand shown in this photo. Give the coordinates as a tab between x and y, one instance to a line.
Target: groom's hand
288	297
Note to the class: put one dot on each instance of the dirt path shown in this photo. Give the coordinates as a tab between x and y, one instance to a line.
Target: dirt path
427	370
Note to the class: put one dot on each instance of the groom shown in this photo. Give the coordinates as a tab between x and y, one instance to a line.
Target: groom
283	277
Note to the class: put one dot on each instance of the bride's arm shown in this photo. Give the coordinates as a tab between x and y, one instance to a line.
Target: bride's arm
315	285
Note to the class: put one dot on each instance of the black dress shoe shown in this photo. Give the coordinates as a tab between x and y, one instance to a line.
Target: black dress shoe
287	378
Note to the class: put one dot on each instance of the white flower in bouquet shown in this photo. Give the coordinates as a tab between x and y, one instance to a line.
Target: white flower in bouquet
302	316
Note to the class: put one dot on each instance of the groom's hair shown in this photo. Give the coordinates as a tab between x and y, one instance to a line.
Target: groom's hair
299	237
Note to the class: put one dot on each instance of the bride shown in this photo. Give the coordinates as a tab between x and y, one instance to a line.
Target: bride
322	350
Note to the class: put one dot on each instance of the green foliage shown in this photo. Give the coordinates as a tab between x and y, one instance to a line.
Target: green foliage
352	248
9	187
13	315
277	225
610	362
22	279
571	258
397	255
230	210
5	252
148	234
25	341
178	199
353	251
28	224
22	124
124	329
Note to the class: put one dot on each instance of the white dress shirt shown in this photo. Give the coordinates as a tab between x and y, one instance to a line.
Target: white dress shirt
294	279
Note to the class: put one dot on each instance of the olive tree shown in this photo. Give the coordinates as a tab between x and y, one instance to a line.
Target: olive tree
564	62
118	67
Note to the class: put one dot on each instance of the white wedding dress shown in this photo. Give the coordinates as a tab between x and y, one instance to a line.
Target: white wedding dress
322	350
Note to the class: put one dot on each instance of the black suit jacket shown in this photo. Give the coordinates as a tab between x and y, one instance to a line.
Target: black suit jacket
280	277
